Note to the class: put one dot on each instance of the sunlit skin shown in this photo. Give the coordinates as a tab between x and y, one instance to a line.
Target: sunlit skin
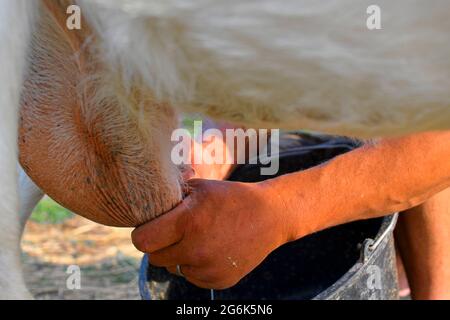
223	230
423	236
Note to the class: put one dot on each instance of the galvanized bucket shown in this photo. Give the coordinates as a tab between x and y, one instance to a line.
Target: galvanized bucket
351	261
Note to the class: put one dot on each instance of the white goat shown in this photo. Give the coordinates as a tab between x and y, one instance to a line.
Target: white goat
263	63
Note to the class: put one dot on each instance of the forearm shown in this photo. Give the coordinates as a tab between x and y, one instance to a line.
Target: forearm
374	180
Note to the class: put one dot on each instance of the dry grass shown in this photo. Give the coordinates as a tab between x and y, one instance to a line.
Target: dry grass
109	263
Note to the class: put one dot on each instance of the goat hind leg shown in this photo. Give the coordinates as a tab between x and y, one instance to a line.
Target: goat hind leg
15	25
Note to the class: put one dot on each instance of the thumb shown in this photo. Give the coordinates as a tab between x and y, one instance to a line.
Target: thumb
162	232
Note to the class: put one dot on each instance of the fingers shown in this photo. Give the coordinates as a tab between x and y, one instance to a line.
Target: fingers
192	275
185	270
170	256
167	229
162	232
197	274
179	253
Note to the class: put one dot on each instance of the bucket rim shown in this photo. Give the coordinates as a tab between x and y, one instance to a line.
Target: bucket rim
367	257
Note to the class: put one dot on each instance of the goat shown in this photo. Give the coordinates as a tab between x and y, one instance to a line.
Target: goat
135	63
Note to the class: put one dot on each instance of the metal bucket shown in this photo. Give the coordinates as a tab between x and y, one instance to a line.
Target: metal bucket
351	261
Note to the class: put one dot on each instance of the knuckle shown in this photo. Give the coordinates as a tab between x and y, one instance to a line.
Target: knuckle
201	187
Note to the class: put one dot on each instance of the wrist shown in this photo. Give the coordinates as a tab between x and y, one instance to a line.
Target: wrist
308	201
289	201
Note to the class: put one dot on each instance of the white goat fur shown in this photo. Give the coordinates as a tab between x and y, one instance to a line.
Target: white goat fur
14	33
289	64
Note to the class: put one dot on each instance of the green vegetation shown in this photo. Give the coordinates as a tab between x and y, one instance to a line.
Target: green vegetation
188	121
48	211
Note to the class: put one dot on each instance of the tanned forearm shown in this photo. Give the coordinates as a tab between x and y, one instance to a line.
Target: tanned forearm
377	179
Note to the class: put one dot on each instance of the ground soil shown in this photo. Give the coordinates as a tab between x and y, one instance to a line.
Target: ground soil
108	261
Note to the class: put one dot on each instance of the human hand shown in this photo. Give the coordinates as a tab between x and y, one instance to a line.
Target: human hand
218	234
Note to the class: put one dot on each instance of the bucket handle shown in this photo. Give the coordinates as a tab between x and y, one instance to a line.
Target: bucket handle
370	245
